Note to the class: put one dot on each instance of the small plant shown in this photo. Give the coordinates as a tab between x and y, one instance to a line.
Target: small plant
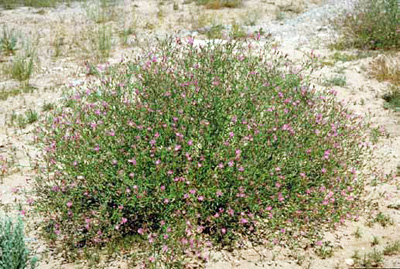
8	41
339	81
375	241
358	233
47	106
324	250
392	248
13	252
383	220
371	24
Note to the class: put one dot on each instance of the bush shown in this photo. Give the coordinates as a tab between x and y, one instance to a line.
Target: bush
13	253
372	24
195	144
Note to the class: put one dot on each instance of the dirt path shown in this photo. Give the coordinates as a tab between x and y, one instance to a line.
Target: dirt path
297	36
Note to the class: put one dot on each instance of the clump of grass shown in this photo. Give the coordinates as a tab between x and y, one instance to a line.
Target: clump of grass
189	147
237	31
339	81
7	93
216	32
382	219
8	41
358	233
218	4
104	42
48	106
386	68
22	120
22	65
371	24
13	252
392	248
375	241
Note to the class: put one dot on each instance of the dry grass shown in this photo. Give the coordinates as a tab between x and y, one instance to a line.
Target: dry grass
387	68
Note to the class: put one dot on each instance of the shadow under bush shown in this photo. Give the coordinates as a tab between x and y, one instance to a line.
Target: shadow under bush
191	146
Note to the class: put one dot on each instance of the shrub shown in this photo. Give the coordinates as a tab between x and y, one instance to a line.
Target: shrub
372	24
198	144
13	252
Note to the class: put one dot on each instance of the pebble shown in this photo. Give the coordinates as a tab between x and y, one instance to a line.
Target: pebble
349	262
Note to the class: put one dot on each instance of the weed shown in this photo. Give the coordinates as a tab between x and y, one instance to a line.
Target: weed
372	24
392	248
175	151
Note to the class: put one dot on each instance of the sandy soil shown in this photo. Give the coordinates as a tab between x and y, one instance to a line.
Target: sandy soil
65	39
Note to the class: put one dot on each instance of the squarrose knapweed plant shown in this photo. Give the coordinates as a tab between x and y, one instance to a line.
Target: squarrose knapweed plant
196	146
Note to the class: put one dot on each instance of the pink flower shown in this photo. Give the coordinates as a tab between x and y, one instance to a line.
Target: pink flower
230	163
231	134
200	198
140	231
124	220
323	170
69	204
190	142
219	193
243	221
241	169
132	161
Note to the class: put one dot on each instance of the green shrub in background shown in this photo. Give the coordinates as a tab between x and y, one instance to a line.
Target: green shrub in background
192	146
371	24
13	252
